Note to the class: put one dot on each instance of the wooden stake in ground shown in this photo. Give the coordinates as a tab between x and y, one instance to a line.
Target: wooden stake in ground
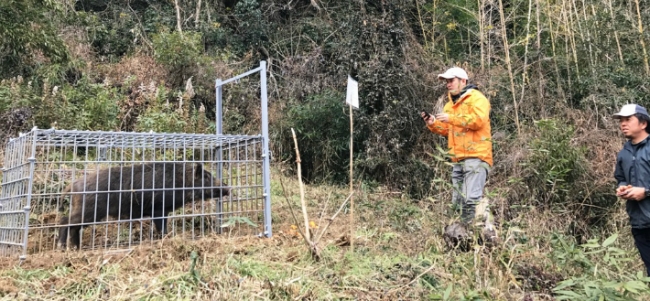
352	98
351	182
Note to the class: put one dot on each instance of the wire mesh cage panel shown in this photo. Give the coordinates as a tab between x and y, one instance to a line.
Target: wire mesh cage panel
101	190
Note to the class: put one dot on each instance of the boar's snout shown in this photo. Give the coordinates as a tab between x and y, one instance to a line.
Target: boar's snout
206	179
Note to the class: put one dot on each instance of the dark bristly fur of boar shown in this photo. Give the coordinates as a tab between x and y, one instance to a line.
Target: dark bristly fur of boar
136	191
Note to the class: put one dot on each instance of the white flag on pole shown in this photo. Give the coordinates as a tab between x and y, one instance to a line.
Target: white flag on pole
352	96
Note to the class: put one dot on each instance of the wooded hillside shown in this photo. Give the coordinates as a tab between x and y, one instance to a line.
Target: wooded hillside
554	71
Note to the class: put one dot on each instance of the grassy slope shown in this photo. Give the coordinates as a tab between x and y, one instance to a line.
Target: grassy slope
399	254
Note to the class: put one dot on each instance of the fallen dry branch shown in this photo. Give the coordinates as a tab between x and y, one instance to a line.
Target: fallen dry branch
331	219
312	244
302	188
313	249
324	210
293	214
437	273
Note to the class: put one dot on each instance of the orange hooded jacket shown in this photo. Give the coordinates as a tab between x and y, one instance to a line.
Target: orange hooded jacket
468	131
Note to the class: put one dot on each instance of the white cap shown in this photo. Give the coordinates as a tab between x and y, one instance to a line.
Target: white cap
454	72
629	110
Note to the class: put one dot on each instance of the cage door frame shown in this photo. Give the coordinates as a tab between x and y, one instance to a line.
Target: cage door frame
266	154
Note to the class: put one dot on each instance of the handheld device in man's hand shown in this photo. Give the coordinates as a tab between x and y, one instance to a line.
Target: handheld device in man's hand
426	115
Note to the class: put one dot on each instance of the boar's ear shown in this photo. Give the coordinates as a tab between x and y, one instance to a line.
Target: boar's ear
198	170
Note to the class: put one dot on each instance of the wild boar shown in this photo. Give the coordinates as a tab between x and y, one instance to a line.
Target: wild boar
136	191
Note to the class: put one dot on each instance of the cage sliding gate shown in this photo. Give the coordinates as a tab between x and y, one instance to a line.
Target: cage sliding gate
119	189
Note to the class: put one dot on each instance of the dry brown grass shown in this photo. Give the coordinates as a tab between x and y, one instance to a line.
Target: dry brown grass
399	254
598	135
139	69
77	41
140	76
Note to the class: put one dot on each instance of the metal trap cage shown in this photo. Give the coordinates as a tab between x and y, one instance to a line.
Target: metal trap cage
113	190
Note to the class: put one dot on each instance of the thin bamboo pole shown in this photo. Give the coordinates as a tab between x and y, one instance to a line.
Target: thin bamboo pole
506	49
489	20
207	12
444	38
645	53
611	22
424	34
586	32
481	29
524	77
538	47
572	38
553	49
433	25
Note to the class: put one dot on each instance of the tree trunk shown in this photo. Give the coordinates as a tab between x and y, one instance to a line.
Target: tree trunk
198	13
178	17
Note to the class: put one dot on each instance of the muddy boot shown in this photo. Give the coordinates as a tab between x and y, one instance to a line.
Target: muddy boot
484	224
468	212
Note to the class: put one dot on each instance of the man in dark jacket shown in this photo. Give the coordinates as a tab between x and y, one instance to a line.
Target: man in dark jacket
633	174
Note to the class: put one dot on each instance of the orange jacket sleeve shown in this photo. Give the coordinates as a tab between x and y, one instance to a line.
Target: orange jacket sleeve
439	127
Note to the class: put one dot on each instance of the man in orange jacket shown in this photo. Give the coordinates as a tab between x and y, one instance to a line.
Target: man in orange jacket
465	121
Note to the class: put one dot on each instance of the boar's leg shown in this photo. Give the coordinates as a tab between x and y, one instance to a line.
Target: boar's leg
63	232
160	221
71	231
75	238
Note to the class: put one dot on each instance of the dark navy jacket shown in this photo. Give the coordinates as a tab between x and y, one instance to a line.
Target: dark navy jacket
633	168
